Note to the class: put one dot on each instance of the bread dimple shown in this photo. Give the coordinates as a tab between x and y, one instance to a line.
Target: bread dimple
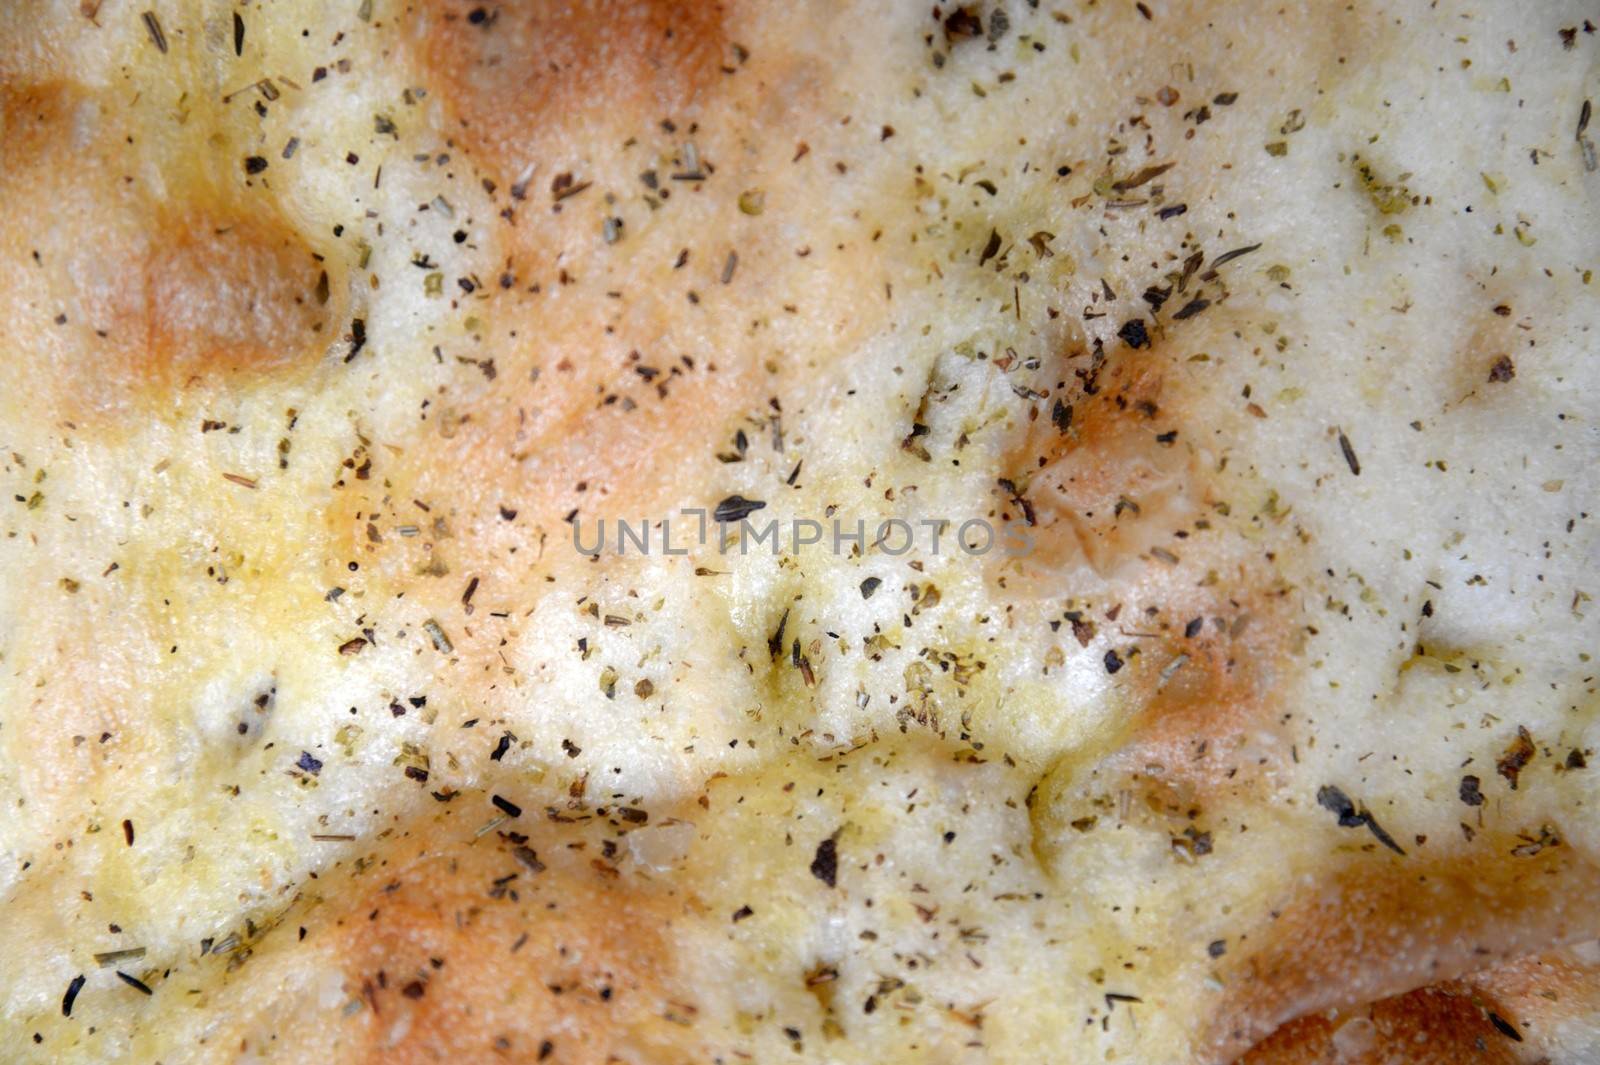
439	943
1428	1026
520	77
1378	927
481	940
166	278
1098	475
1495	1014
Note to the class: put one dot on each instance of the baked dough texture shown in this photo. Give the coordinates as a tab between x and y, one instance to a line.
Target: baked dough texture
1270	324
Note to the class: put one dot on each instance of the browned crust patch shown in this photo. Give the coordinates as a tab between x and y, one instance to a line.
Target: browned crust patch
522	947
148	291
1382	926
513	72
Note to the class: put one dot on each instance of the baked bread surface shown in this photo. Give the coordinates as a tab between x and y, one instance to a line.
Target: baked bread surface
1269	328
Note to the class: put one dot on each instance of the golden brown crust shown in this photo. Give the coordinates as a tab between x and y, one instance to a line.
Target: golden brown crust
1491	1016
1384	926
519	76
480	950
154	289
1428	1026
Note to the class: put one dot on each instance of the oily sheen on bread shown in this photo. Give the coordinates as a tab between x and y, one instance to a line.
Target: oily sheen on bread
1262	336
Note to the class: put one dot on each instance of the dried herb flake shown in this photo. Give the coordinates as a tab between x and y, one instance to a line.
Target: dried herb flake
825	865
737	508
75	986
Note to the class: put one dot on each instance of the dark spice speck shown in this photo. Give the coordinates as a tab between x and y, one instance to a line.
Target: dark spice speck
72	994
1505	1027
825	866
737	508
